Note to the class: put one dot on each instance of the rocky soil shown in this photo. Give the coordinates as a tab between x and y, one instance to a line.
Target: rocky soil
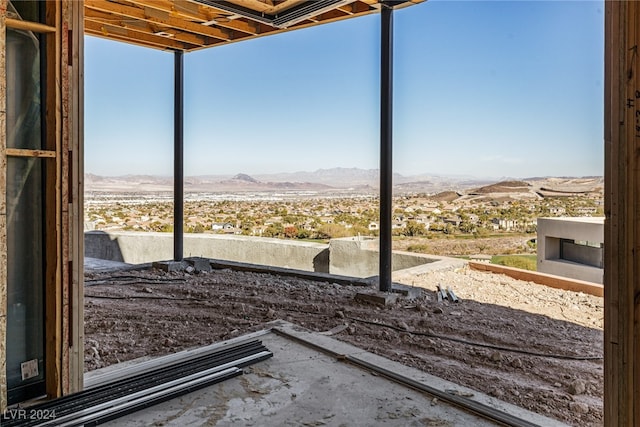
533	346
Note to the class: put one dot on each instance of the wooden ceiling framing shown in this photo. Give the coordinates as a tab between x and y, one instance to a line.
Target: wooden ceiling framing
187	25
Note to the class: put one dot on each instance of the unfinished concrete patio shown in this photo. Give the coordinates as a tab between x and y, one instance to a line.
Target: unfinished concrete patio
313	380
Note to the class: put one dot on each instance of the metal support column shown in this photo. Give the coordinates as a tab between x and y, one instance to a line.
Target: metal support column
386	139
178	157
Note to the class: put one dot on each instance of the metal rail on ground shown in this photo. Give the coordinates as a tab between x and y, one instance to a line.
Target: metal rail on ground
468	405
115	399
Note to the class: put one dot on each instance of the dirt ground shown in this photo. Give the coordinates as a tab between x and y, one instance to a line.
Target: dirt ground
453	246
533	346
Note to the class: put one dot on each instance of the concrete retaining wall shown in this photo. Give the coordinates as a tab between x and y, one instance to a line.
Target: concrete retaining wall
359	257
139	248
354	257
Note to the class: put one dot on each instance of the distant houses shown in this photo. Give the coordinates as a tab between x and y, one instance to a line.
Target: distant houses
413	215
504	224
586	210
557	210
223	227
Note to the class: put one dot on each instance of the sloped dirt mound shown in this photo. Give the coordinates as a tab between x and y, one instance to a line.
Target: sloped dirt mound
445	196
503	187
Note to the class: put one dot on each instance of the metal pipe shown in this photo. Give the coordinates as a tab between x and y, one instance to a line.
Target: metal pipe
178	157
386	146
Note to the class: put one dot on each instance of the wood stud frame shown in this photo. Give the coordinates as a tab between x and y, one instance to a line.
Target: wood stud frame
63	190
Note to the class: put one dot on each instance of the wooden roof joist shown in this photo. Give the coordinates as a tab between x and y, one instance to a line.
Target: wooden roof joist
143	27
188	25
194	12
124	35
154	16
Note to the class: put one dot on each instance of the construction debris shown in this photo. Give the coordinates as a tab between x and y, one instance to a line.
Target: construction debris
454	298
442	293
446	294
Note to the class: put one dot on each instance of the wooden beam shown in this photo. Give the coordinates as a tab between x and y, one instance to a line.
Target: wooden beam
135	37
52	207
263	7
76	191
147	28
198	12
70	85
359	7
332	15
36	27
622	211
157	17
114	37
191	11
348	9
19	152
327	20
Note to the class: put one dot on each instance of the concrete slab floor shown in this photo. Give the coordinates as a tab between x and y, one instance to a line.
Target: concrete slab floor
95	265
302	386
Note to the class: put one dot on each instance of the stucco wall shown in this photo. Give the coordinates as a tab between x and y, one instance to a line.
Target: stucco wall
552	230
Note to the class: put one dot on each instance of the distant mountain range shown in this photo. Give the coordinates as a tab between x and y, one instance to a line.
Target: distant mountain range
338	180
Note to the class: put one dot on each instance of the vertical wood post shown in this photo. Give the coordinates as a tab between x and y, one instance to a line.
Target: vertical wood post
622	210
54	293
74	64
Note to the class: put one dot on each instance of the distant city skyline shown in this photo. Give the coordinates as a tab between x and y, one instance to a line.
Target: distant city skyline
485	89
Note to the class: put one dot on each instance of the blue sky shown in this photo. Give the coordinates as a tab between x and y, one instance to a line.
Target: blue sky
482	88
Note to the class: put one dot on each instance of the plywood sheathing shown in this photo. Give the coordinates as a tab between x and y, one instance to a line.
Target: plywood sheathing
622	210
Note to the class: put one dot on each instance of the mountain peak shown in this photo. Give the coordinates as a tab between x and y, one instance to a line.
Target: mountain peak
244	177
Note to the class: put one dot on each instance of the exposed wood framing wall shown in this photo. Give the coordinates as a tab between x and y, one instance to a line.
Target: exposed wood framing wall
64	312
64	223
622	209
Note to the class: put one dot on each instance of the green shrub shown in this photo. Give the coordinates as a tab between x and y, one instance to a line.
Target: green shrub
419	248
525	262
